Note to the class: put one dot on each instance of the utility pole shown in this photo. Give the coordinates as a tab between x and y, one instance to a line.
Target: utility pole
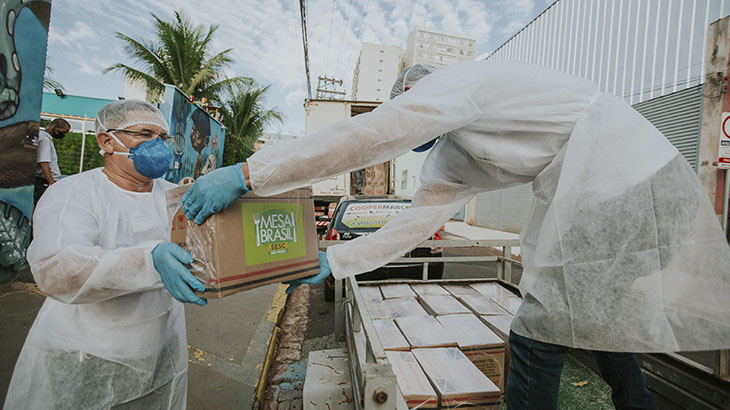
324	90
303	10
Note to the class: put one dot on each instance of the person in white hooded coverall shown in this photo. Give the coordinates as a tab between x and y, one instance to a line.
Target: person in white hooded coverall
621	242
109	336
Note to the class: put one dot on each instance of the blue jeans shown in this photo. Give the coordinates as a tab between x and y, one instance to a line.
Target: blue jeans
535	368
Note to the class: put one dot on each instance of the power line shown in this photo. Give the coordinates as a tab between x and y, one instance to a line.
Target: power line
357	37
329	39
342	39
303	11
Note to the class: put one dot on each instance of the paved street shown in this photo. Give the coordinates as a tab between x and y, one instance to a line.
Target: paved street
227	342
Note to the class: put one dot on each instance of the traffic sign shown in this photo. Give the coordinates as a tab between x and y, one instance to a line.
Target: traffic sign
723	151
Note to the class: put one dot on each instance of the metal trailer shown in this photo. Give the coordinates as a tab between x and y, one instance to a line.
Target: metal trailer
373	382
676	381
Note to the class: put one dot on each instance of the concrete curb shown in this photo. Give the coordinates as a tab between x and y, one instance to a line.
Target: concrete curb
262	348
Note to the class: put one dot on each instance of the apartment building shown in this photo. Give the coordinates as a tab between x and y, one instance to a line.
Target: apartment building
376	69
437	47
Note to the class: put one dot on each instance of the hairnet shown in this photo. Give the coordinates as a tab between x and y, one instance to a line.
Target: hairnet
409	77
126	113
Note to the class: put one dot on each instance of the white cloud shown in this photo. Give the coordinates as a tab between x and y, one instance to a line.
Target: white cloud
266	36
79	33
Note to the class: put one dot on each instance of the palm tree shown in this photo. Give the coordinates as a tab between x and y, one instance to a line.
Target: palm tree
49	84
245	118
179	56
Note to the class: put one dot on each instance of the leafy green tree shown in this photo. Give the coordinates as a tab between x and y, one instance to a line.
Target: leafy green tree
179	55
68	150
245	117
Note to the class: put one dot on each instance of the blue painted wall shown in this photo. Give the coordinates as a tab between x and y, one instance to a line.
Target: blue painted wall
72	105
23	41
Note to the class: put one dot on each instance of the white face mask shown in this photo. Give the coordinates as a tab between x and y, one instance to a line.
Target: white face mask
101	150
126	153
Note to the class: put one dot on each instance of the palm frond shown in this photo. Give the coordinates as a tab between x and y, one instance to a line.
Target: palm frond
154	86
179	55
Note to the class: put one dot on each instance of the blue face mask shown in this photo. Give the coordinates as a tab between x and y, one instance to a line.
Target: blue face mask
426	146
151	158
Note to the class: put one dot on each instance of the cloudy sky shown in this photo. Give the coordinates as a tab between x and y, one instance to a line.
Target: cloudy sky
266	37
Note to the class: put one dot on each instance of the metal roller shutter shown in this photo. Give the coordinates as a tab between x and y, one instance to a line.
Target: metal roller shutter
678	117
505	209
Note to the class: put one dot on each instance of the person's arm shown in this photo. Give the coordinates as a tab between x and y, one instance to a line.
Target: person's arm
44	159
67	261
46	170
433	205
434	106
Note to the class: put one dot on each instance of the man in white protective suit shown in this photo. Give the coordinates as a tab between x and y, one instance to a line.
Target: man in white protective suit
622	252
109	335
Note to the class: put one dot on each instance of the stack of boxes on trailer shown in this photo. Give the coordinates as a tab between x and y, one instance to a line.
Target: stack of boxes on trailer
376	179
447	344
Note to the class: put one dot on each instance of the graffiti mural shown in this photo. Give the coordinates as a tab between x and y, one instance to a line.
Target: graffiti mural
197	138
23	40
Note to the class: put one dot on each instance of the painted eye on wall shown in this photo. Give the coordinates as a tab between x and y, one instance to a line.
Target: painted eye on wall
11	22
16	63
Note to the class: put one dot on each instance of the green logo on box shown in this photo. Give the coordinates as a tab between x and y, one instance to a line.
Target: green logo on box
273	232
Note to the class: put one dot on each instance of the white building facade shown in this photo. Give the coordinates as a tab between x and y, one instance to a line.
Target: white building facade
377	68
435	47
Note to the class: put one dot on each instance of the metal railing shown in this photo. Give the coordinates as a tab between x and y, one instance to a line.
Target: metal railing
504	265
374	384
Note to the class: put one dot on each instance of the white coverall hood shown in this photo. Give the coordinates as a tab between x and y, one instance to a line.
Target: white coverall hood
622	252
108	333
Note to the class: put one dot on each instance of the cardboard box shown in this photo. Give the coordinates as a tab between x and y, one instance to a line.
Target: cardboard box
403	307
370	292
480	344
429	289
442	305
461	290
493	290
457	381
394	308
397	291
482	305
413	383
509	303
499	323
424	331
253	242
390	336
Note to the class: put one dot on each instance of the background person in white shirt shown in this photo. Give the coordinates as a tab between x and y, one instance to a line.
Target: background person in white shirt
48	171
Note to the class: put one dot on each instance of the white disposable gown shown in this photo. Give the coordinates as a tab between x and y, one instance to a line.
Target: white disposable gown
622	252
109	336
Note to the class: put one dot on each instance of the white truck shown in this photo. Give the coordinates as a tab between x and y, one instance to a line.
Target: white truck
321	113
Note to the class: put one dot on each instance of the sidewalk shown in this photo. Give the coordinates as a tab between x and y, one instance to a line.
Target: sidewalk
227	341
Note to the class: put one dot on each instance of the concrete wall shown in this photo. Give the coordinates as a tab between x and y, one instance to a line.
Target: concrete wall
407	172
715	102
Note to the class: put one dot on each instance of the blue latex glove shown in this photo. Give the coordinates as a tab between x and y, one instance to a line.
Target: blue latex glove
169	260
213	192
324	272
